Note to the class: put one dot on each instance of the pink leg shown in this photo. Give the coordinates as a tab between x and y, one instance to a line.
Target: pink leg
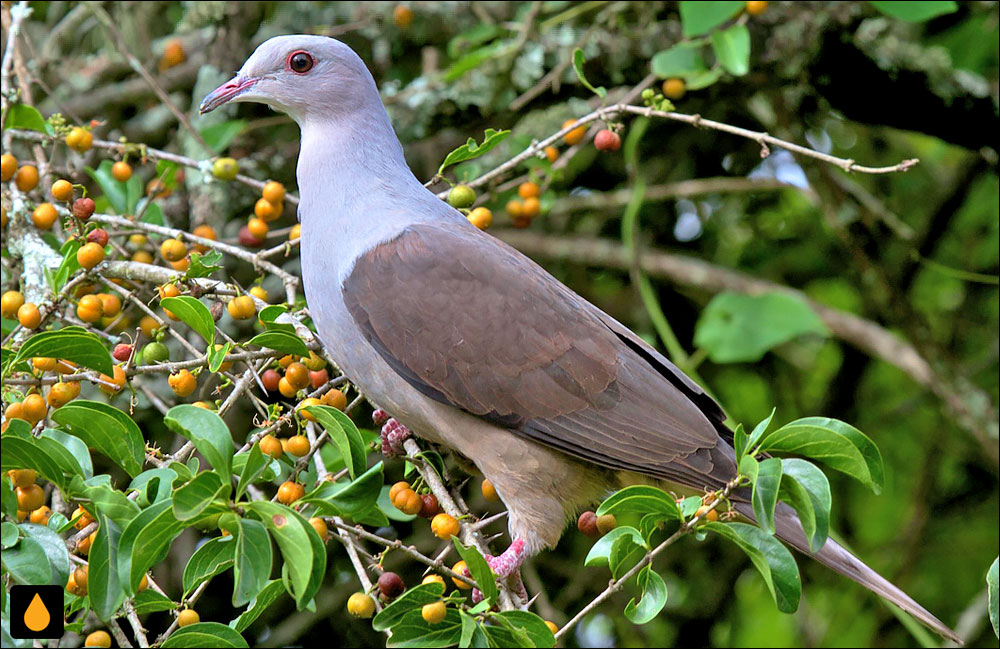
393	433
507	567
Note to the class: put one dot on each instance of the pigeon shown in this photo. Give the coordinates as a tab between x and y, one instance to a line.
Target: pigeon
465	342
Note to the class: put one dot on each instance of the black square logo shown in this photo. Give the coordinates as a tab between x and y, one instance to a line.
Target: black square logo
36	612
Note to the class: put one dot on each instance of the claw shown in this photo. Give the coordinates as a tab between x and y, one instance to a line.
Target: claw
393	436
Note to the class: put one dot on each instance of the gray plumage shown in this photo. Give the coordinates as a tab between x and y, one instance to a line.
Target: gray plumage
472	345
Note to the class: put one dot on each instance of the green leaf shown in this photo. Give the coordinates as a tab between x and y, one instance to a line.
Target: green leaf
345	436
69	265
253	561
155	484
411	599
736	327
208	432
301	548
191	500
770	557
76	448
123	197
835	443
112	503
49	458
54	547
218	136
9	535
765	492
107	429
471	149
703	79
265	598
758	431
217	356
916	12
166	172
732	49
27	563
413	631
256	463
25	117
106	593
683	60
281	341
205	634
992	580
698	18
144	543
690	505
653	599
193	313
479	569
203	264
640	498
740	439
600	552
150	601
806	489
72	344
474	59
212	557
348	499
625	554
529	624
578	62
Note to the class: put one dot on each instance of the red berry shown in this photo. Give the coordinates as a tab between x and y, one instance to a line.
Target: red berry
270	379
98	236
587	523
391	585
319	378
606	140
429	507
83	208
122	352
247	239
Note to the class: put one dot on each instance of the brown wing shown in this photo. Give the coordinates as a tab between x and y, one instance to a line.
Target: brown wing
473	323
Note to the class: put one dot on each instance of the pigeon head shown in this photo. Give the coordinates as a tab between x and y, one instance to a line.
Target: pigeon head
308	77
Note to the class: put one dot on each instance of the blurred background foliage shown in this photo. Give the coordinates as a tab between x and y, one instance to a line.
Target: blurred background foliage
914	252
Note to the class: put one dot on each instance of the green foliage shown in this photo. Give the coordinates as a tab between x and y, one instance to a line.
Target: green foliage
472	149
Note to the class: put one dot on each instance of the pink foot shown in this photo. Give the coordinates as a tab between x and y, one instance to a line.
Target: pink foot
393	436
507	567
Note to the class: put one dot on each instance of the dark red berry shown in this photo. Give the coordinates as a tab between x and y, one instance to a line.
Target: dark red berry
122	352
429	508
216	310
247	239
83	208
391	585
587	523
98	236
270	379
606	140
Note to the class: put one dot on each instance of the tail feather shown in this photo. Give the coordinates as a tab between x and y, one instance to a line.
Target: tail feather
833	555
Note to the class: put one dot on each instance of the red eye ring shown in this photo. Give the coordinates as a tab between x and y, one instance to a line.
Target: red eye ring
300	62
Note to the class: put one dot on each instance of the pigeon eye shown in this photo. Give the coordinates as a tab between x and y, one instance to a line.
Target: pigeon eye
300	62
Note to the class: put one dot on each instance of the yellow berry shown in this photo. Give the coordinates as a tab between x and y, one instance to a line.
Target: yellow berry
361	605
62	190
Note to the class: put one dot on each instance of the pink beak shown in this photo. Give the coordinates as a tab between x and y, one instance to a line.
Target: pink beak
225	93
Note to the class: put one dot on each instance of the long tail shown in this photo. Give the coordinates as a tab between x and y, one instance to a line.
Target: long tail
833	555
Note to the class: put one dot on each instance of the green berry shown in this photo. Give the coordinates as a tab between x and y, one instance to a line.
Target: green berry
225	168
155	352
461	196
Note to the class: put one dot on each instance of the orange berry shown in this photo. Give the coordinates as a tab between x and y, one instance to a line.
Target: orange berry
173	249
187	617
34	409
529	189
83	518
173	54
576	135
30	498
90	308
183	383
113	386
674	89
481	217
269	445
408	502
62	393
62	190
65	367
551	153
80	139
111	304
709	515
148	325
320	526
143	584
43	363
29	316
433	579
142	257
10	302
258	227
515	208
298	445
259	293
532	207
22	477
81	576
444	526
295	232
98	639
335	399
434	613
8	167
121	171
286	389
305	403
157	188
204	231
297	375
41	515
396	488
45	216
552	627
242	307
402	16
273	192
89	255
266	210
289	492
757	7
26	178
489	491
460	568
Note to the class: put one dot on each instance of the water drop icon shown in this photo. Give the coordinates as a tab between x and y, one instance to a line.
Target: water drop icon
36	617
